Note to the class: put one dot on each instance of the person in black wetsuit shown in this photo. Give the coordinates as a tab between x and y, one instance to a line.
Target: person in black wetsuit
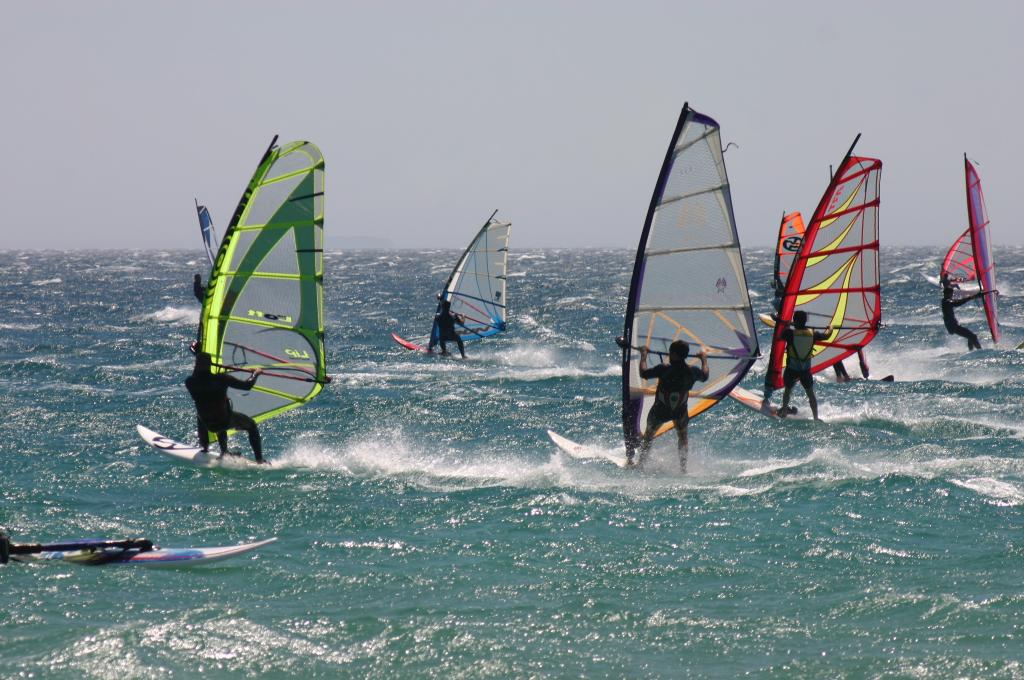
209	391
198	289
444	322
799	349
949	316
675	380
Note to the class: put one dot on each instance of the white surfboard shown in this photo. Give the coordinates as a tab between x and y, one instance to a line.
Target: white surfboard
581	452
193	454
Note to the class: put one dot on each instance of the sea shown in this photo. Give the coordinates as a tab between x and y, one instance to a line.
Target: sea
428	528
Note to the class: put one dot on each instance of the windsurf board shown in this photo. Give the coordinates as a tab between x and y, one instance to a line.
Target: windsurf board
581	452
193	454
158	557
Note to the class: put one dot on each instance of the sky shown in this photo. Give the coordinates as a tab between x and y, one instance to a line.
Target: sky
431	114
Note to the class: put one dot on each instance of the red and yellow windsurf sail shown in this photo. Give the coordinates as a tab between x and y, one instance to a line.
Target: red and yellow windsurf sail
834	276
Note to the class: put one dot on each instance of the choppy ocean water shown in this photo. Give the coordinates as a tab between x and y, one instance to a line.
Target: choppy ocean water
429	529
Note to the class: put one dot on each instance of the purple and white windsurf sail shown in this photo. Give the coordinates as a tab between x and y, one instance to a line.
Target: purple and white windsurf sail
688	278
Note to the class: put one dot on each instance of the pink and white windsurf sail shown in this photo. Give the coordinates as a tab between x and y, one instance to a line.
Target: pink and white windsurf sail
970	257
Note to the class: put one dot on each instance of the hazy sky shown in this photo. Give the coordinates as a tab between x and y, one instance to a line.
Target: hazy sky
432	113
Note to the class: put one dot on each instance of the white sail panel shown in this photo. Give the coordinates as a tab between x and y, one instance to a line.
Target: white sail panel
688	278
477	285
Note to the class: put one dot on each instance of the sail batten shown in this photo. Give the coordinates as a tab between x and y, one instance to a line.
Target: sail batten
264	301
688	280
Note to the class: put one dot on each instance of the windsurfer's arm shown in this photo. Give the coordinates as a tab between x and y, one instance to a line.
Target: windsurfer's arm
703	365
246	385
647	373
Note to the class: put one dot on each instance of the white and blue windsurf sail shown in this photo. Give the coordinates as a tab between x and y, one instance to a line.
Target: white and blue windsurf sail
210	242
477	285
688	278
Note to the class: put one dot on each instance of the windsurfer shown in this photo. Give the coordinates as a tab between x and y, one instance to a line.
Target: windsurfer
949	316
198	289
799	349
209	391
444	329
675	380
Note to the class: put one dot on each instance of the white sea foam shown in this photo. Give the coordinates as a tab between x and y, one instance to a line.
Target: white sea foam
544	332
1004	493
171	314
47	282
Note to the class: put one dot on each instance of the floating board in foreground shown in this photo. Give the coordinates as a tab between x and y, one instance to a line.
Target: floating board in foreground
193	454
101	554
581	452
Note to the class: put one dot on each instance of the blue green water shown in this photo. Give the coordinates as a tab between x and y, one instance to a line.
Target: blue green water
429	529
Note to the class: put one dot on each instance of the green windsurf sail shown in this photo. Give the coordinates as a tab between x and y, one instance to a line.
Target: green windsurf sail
264	301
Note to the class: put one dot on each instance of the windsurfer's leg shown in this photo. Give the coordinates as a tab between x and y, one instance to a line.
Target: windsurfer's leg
241	421
966	333
204	435
645	446
222	441
841	374
788	380
813	401
807	380
462	346
784	410
682	423
769	389
655	418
